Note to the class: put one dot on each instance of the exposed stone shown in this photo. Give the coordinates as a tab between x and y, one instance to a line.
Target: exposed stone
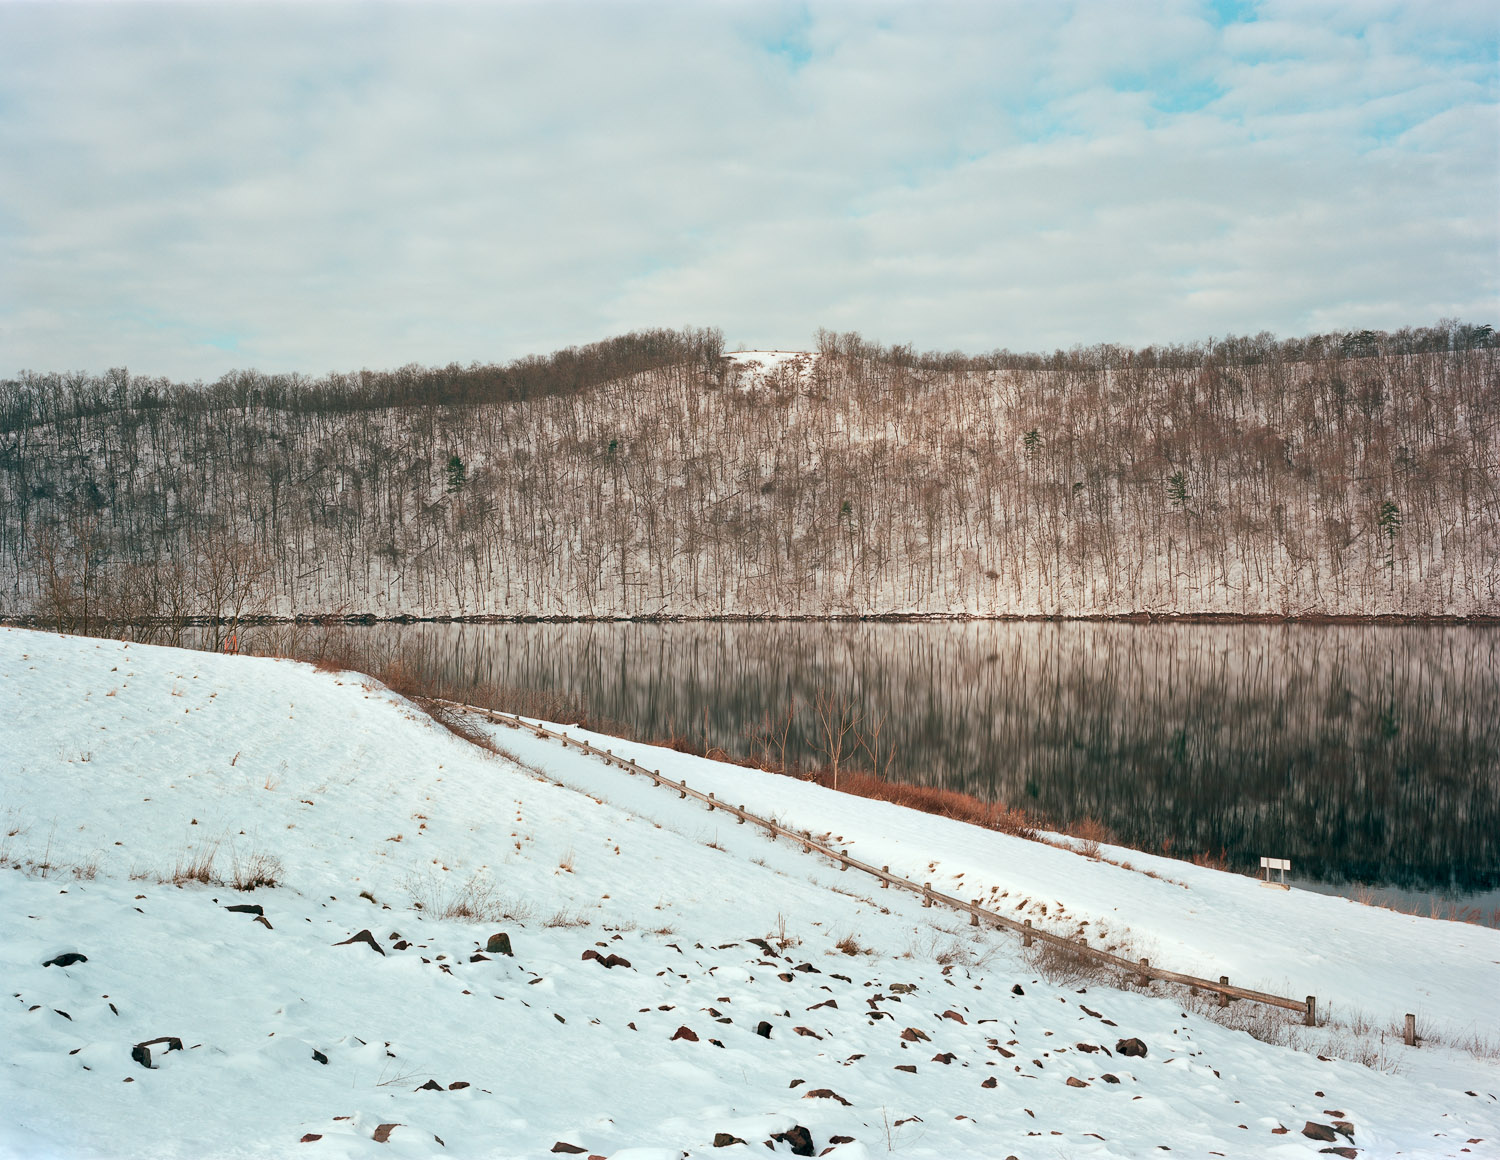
383	1132
1110	1077
573	1149
991	1082
431	1085
591	953
1074	1081
911	1067
262	920
763	1029
67	959
807	968
825	1094
141	1052
1131	1047
685	1032
499	944
944	1057
724	1140
807	1031
479	957
798	1137
1087	1048
1316	1131
956	1017
841	1139
1347	1153
254	908
458	1085
310	1137
616	961
1344	1128
319	1056
903	988
365	937
913	1034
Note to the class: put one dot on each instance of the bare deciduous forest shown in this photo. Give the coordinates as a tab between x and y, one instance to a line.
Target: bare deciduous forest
651	475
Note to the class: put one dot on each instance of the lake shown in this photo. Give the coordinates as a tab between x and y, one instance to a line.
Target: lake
1368	755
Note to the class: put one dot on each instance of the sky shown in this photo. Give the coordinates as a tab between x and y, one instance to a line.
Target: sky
187	189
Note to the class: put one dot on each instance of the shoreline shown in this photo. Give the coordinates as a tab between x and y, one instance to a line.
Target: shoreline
1372	619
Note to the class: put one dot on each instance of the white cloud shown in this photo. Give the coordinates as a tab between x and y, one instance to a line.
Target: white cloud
187	189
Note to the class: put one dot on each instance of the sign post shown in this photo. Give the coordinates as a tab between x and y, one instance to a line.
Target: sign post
1279	864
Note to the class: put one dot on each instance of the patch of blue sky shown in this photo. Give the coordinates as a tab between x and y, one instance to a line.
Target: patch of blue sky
789	43
1226	12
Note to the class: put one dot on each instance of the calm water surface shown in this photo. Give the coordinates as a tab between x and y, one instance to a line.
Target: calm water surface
1367	755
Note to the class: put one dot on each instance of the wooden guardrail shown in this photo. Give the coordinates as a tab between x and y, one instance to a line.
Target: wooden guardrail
1142	971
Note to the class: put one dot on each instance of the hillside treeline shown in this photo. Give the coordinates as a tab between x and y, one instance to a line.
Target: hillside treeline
651	475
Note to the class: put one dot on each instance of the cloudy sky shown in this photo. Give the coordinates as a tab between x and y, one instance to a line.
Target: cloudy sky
189	188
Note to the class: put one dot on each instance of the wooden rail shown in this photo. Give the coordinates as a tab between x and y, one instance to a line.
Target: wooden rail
1140	970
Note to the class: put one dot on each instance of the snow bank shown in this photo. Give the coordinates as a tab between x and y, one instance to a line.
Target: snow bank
125	768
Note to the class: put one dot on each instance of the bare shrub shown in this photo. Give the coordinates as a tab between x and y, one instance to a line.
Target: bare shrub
1091	833
565	918
194	865
850	945
257	868
1066	963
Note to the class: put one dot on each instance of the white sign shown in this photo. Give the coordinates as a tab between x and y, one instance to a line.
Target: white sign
1275	863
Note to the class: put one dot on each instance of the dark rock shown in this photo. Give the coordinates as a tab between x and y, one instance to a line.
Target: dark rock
458	1085
956	1017
685	1032
262	920
825	1094
798	1137
141	1052
431	1085
365	937
724	1140
310	1137
1016	990
1087	1048
499	944
1074	1081
400	945
841	1139
479	957
1131	1047
763	944
903	988
763	1029
383	1132
66	959
319	1056
591	953
573	1149
1345	1129
807	968
911	1067
1315	1131
616	961
254	908
913	1034
1109	1077
1348	1153
991	1082
943	1057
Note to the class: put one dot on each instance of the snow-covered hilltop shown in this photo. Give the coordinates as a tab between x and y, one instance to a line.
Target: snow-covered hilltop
1333	475
676	984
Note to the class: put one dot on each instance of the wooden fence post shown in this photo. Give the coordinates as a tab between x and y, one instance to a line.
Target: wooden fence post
1224	995
974	913
1026	934
1311	1018
1143	976
742	814
884	883
1411	1030
710	801
927	894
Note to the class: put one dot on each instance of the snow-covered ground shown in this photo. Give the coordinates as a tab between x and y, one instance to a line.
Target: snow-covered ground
123	766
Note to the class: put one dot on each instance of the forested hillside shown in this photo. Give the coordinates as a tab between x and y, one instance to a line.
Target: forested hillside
652	475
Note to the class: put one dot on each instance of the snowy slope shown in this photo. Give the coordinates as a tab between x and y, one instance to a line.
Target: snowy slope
122	764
